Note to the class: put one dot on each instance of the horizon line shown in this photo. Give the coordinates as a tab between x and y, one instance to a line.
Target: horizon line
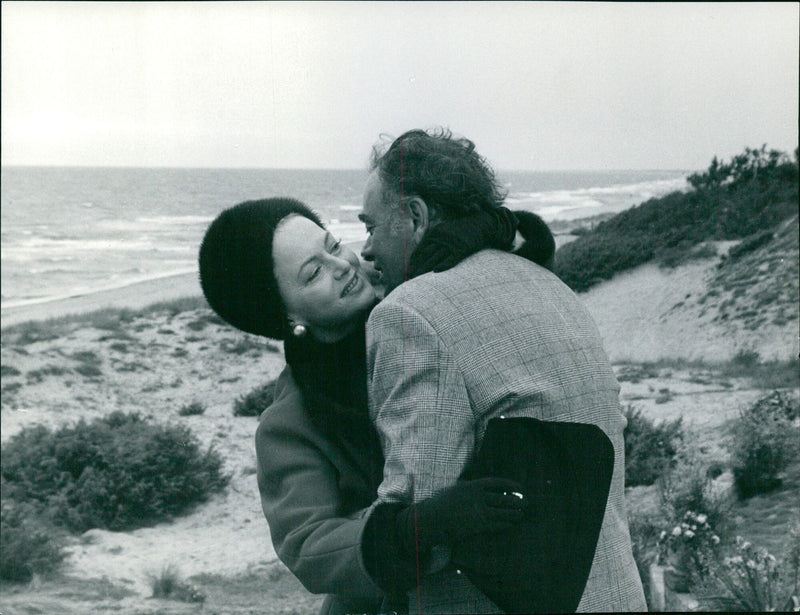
260	168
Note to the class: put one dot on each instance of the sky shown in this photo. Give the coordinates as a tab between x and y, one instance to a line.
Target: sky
537	86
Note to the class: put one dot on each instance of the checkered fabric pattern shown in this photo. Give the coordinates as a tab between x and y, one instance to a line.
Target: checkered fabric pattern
496	335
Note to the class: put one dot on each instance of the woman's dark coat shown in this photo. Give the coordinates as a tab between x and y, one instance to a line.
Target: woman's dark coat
315	495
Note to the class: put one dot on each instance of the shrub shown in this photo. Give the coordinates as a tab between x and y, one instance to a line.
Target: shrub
197	325
89	371
752	580
9	370
750	244
746	358
256	401
649	448
37	375
637	372
764	374
243	345
763	444
781	404
9	389
688	485
169	585
597	256
86	356
30	333
193	409
27	545
664	396
173	307
692	547
753	193
685	251
118	472
580	230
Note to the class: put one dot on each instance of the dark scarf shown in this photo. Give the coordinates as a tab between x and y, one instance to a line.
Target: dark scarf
449	242
333	381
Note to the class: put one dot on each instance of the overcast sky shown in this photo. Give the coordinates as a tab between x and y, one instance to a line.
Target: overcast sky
300	85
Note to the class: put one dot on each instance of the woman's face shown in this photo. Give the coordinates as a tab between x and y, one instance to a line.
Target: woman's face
321	282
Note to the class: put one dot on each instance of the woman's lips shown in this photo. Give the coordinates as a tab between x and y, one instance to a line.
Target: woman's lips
350	285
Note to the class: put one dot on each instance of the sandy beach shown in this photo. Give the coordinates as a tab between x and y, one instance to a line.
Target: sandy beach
133	296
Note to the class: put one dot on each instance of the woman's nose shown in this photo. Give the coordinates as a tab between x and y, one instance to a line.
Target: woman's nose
340	265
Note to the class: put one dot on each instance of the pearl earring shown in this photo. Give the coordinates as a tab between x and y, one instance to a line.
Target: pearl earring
299	330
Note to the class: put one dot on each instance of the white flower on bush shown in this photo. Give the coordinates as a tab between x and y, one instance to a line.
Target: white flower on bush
690	545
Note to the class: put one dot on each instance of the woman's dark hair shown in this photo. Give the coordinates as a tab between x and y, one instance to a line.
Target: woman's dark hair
539	245
236	268
444	171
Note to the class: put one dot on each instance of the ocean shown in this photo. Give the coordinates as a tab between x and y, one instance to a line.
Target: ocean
69	231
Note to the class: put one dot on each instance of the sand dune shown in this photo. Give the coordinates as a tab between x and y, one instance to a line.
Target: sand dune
647	314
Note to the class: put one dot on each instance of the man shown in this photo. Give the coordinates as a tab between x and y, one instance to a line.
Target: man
494	336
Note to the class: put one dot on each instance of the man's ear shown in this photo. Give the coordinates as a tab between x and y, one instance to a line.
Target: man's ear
419	214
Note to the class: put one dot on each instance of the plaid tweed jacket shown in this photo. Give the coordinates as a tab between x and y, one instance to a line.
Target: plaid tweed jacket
496	335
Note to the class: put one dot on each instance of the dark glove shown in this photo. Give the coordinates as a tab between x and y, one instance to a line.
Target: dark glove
449	242
398	536
483	505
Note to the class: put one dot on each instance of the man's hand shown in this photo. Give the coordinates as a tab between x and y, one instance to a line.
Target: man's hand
468	508
396	534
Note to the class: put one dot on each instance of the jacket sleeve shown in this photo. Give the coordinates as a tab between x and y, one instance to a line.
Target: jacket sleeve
302	503
419	404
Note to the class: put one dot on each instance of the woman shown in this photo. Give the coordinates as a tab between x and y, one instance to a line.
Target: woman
270	268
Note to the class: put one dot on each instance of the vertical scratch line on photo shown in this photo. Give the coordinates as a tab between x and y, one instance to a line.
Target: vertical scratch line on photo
274	100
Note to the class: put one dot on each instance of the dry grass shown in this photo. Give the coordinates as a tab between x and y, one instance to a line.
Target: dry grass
765	519
746	365
757	283
111	320
266	590
170	585
271	588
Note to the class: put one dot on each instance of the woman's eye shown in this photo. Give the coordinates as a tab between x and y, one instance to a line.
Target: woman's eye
314	273
336	245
